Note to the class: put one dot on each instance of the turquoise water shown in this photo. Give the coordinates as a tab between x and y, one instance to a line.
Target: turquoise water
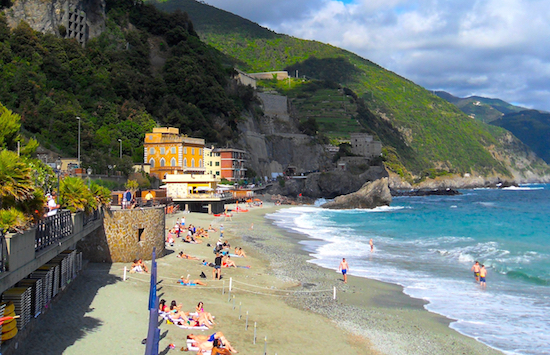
429	244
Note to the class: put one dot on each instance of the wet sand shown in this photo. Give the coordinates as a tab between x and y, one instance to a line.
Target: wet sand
289	299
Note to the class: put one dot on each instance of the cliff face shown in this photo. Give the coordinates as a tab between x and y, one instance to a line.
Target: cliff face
274	142
79	19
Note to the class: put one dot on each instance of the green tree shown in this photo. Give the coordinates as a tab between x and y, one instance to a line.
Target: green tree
75	195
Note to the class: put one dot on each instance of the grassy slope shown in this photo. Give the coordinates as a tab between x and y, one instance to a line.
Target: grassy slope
437	131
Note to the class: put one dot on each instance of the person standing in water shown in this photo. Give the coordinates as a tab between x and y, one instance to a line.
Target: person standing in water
371	243
482	275
475	269
344	267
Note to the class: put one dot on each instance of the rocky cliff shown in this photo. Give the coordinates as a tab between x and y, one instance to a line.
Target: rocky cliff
371	195
274	142
79	19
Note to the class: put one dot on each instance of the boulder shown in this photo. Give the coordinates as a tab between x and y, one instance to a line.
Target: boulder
371	195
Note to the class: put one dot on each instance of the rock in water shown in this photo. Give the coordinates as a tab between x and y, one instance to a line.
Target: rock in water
371	195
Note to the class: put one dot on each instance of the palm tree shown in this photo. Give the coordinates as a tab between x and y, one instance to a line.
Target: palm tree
75	195
101	193
16	183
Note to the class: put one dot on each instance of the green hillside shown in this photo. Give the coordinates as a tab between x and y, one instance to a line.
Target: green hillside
113	86
532	127
438	133
481	108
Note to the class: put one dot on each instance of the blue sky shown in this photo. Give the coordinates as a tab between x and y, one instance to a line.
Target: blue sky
491	48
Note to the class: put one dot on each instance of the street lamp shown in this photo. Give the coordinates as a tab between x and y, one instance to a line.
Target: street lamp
78	118
58	166
89	171
120	141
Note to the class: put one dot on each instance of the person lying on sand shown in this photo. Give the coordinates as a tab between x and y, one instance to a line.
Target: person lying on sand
191	239
205	342
181	255
217	348
211	229
187	282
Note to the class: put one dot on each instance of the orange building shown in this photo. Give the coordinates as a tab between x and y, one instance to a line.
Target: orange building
169	152
232	163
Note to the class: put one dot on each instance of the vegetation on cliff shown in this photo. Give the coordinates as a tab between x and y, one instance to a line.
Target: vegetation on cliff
426	131
114	87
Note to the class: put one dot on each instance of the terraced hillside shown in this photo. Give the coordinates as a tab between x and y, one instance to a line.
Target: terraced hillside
437	133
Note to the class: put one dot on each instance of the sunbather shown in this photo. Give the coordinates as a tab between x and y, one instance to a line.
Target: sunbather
176	312
207	315
138	266
240	252
186	282
205	342
186	256
163	307
228	262
217	348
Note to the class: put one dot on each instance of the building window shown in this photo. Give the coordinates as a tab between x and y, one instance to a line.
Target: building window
173	150
192	151
217	163
200	163
162	151
200	151
152	151
140	234
185	163
152	162
162	162
218	173
184	150
173	162
192	163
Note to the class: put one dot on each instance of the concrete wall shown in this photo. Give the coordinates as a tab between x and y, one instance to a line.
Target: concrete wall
22	258
127	235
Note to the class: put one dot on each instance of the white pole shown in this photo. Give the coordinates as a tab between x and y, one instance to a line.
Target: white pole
124	277
254	333
230	284
334	293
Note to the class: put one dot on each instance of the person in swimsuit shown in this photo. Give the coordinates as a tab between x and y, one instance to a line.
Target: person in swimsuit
482	275
186	256
201	311
371	243
205	343
344	267
476	269
187	282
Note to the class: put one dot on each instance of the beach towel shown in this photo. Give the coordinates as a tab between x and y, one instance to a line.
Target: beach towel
194	348
167	317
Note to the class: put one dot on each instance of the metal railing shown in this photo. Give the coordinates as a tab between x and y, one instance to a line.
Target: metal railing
52	229
94	216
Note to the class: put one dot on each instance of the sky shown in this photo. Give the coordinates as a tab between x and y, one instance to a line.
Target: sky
490	48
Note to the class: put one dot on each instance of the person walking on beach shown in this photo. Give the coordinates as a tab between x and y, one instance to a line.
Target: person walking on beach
217	271
344	267
475	269
371	243
482	275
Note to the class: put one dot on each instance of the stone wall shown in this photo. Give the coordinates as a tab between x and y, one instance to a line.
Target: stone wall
126	235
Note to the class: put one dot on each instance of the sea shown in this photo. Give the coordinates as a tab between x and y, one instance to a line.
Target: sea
429	244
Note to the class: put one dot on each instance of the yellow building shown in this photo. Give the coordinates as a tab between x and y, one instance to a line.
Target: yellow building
212	162
169	152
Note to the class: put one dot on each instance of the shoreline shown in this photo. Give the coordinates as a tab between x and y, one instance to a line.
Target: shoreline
100	313
381	302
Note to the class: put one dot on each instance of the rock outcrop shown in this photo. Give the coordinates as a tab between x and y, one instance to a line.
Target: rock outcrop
78	19
371	195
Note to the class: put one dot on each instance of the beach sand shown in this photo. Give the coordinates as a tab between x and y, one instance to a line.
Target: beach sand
289	300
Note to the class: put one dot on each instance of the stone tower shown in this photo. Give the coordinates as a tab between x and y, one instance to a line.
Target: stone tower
79	19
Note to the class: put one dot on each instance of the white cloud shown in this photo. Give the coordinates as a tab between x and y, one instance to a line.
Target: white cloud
496	48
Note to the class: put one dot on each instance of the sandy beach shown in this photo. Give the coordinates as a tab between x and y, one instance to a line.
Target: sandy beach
289	300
